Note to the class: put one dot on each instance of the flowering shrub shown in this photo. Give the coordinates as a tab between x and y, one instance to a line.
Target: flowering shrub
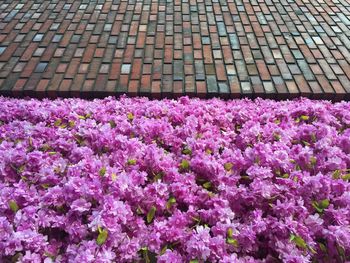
133	180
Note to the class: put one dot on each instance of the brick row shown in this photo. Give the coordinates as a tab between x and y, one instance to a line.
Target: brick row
273	49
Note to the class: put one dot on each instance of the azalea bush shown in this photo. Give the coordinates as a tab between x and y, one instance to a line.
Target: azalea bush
135	180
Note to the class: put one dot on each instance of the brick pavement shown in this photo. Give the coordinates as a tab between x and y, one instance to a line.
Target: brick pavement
273	48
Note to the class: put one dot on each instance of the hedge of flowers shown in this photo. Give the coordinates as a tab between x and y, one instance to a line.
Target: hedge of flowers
135	180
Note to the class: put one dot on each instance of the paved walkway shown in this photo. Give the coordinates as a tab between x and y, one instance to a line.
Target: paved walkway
278	48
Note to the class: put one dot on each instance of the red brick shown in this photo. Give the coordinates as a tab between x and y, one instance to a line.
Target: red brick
62	68
201	88
42	85
234	87
217	40
263	71
72	69
220	71
156	89
325	85
292	88
19	85
302	85
208	59
178	88
339	90
65	86
136	69
145	86
8	52
89	53
133	87
29	68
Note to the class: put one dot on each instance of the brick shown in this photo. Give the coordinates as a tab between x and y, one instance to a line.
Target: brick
145	86
42	85
263	71
220	71
65	86
89	53
325	85
292	88
221	48
257	86
201	89
133	87
19	85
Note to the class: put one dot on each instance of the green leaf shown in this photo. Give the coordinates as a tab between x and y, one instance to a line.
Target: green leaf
278	172
321	205
163	250
184	165
13	206
194	261
313	160
81	117
145	255
130	116
102	171
324	203
151	213
346	177
48	254
171	202
285	176
102	236
336	174
313	138
228	166
21	168
208	151
299	241
139	210
304	117
276	136
229	232
206	185
187	151
45	186
71	124
16	257
158	176
315	205
58	122
232	241
131	162
306	143
322	247
312	250
341	252
196	219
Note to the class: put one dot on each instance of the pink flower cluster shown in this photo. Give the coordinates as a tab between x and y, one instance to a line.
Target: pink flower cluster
190	180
